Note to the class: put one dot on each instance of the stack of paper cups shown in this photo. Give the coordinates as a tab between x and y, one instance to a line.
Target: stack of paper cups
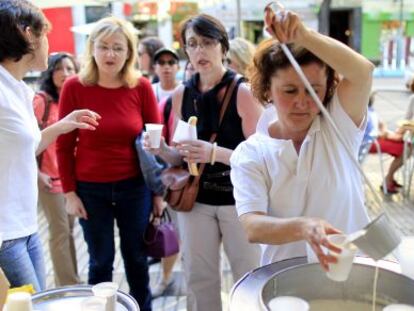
20	301
108	291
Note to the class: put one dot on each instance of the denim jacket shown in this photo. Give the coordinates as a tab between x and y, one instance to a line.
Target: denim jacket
151	168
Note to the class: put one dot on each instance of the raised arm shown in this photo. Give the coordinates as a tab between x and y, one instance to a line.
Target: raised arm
354	69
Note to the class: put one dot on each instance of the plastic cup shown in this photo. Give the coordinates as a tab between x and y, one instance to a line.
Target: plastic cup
107	291
340	271
398	307
288	303
19	301
405	255
154	131
93	304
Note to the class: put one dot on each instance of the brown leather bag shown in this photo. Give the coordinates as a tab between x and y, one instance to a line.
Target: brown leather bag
181	187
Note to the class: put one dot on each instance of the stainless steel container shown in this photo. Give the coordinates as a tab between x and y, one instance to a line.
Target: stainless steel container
295	277
71	297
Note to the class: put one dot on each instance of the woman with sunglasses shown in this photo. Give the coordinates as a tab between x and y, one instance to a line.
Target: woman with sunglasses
23	48
100	173
213	219
61	244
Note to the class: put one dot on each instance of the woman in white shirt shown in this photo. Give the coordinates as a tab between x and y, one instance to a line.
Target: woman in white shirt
293	181
24	47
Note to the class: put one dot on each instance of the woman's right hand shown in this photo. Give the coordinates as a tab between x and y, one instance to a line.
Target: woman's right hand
286	26
74	205
315	231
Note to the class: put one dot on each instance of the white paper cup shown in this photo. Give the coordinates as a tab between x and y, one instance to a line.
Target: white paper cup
19	301
398	307
405	255
288	303
108	291
93	304
340	271
154	132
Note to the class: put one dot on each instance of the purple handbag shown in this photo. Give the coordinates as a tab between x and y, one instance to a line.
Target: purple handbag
161	238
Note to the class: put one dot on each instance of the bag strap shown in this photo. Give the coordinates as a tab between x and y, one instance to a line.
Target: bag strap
48	101
224	105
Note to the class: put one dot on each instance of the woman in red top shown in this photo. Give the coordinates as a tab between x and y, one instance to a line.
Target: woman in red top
100	171
61	245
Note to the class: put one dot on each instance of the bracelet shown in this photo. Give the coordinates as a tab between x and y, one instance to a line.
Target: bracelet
213	154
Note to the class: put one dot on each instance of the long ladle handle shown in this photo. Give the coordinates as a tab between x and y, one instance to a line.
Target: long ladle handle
325	112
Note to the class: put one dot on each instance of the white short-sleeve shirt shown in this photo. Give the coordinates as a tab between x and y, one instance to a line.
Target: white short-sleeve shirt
321	181
19	139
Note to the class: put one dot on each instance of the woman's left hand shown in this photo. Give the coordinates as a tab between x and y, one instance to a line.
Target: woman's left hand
79	119
158	205
196	151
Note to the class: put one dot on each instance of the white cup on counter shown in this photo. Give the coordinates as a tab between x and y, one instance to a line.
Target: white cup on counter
398	307
340	270
19	301
107	291
93	304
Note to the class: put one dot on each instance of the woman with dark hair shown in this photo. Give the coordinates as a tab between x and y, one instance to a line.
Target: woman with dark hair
294	182
24	47
62	248
213	219
146	51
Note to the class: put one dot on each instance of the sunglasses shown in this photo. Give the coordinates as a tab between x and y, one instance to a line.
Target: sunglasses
165	62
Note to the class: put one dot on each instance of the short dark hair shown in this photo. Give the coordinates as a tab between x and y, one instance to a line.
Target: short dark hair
207	26
15	17
269	58
46	79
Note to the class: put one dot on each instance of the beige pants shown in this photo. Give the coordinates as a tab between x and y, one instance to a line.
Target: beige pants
202	231
61	243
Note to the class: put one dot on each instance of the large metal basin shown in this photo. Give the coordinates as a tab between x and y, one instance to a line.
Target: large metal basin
295	277
69	298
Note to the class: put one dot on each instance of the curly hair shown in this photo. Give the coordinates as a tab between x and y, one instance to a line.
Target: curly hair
46	79
269	58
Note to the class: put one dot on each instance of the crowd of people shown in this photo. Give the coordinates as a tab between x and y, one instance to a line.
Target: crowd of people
267	162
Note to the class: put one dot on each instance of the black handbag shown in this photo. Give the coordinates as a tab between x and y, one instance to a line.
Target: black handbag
161	237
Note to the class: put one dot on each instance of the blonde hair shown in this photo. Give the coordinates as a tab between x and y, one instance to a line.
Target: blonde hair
242	52
105	27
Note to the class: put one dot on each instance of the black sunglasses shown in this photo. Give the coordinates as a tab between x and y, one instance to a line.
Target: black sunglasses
164	62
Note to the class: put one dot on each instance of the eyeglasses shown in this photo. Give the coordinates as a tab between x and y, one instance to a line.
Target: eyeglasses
227	61
206	44
165	62
117	50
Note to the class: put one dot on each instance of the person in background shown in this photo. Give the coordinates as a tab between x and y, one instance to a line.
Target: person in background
100	172
188	71
213	219
165	67
293	180
61	244
390	142
146	51
240	55
23	48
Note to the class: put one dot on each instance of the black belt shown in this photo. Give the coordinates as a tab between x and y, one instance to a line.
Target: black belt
216	187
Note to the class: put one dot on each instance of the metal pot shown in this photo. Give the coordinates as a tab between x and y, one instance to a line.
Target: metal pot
70	298
295	277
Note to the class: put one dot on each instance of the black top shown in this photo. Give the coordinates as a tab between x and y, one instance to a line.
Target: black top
215	185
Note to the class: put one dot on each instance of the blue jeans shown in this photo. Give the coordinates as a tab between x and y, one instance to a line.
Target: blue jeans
22	262
127	202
